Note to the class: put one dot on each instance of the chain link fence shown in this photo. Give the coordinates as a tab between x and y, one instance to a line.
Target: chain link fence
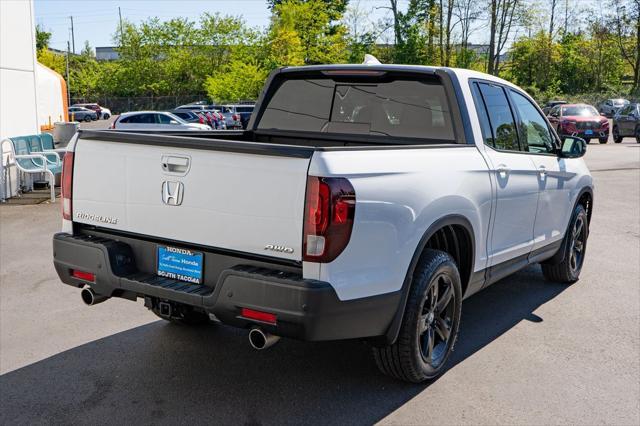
118	105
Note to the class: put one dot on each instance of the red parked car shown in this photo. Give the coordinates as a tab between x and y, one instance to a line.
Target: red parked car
579	120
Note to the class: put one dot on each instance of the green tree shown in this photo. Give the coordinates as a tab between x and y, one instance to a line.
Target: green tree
236	81
42	38
320	40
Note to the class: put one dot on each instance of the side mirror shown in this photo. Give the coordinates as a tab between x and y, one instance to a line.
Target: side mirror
573	147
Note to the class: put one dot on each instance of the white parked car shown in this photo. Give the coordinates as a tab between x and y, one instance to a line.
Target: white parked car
154	120
363	202
105	113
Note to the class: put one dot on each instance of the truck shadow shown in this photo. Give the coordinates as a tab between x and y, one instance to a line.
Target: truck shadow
165	373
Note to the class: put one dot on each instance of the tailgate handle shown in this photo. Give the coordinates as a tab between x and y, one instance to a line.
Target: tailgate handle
175	164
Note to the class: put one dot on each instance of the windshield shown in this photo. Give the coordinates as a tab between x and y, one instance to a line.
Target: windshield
579	110
405	108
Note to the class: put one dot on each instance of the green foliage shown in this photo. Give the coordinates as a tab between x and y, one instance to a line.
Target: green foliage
310	22
42	38
577	63
221	56
52	60
235	81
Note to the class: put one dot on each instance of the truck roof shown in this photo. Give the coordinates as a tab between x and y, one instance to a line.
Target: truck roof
461	73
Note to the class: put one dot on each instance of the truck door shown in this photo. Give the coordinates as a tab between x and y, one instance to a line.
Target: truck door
554	176
513	174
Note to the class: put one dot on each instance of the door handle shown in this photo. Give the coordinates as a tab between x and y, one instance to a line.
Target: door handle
175	164
502	170
542	171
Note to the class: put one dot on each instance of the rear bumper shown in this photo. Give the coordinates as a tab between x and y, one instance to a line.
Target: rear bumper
305	309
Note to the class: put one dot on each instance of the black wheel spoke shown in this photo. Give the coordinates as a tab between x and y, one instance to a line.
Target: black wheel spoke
434	294
423	324
445	299
443	329
429	349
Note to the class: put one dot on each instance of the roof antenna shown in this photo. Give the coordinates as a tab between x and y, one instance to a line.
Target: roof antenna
371	60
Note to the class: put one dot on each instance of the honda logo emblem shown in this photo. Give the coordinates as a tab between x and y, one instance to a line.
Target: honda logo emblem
172	193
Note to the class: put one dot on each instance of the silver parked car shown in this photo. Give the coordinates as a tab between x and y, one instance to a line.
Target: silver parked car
82	114
154	120
609	107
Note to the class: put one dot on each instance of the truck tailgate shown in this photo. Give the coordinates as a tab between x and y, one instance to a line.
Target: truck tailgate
241	201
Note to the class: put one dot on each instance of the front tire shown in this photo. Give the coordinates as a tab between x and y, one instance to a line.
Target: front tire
575	246
638	134
430	323
587	140
616	135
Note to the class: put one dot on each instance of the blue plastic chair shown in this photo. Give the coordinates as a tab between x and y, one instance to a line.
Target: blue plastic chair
49	146
33	162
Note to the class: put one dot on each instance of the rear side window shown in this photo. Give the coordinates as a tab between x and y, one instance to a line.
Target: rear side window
503	127
400	108
139	119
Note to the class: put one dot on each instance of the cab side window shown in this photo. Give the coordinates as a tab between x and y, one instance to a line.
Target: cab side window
535	135
503	126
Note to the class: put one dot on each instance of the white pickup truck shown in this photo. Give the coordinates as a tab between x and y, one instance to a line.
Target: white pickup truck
363	201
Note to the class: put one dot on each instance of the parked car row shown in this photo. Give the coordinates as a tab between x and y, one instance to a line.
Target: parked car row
235	116
609	107
155	120
586	122
101	112
626	123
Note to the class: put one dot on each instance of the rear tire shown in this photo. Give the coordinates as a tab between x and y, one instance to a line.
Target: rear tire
88	119
575	246
638	134
603	140
587	140
430	323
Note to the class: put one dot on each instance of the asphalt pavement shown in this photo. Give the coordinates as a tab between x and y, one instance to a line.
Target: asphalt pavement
529	351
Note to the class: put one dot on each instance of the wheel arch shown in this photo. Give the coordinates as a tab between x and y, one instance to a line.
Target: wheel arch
439	236
585	198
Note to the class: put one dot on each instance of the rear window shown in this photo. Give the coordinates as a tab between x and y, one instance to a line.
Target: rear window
398	108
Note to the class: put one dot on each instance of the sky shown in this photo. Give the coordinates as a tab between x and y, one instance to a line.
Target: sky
96	21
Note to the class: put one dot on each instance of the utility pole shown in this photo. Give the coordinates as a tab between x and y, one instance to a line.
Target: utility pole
73	36
68	81
121	33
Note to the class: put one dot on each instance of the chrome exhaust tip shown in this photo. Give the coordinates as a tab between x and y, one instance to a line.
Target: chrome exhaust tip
261	340
90	297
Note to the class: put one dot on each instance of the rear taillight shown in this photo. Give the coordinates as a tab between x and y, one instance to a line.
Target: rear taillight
258	315
67	182
329	211
235	117
81	275
201	119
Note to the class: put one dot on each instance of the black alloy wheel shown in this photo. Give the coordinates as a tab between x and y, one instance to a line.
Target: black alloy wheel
577	244
430	322
436	321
